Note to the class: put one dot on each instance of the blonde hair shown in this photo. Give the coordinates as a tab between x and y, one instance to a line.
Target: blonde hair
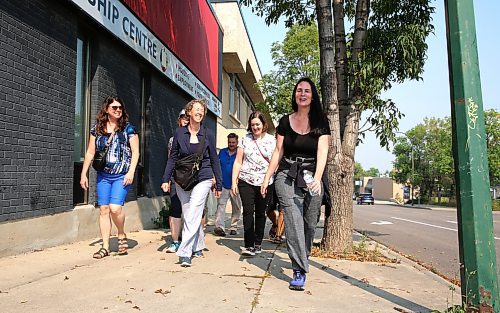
190	104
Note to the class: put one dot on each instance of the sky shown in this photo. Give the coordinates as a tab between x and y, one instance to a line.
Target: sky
417	100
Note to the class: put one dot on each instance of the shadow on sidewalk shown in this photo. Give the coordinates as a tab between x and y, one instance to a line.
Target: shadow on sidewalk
410	305
263	260
279	265
113	243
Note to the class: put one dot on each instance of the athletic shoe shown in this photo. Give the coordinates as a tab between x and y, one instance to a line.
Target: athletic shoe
258	249
219	232
233	232
197	254
278	240
185	261
250	251
298	281
174	246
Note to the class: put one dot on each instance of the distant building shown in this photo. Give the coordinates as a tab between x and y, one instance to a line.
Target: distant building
382	188
240	73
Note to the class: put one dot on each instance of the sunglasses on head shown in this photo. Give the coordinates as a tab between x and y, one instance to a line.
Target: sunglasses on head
116	107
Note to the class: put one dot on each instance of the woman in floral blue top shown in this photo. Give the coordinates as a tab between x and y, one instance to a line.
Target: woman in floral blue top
114	181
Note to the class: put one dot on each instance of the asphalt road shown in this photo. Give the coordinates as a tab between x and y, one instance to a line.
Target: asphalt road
429	236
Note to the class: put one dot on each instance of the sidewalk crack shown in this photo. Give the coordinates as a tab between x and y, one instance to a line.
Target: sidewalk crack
267	274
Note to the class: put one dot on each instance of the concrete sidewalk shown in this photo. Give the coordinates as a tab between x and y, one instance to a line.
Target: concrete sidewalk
67	279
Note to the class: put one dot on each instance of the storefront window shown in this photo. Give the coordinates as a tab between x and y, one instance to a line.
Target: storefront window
143	131
82	112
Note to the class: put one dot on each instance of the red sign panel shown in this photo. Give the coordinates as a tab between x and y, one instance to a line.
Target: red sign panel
189	29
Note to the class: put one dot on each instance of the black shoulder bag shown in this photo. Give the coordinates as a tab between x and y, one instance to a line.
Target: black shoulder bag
99	162
187	168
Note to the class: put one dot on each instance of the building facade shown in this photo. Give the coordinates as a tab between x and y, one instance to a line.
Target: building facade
240	73
60	59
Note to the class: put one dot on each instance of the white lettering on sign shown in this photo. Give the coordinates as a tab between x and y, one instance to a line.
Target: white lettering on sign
117	18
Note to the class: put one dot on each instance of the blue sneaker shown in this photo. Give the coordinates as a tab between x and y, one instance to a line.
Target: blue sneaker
174	246
197	254
185	261
298	281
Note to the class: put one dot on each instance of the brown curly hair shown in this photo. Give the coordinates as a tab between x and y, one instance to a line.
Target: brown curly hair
102	116
190	104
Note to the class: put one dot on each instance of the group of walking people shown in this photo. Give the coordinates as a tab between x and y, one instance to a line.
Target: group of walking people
259	173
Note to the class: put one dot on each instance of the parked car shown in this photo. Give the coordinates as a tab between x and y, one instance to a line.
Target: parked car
365	198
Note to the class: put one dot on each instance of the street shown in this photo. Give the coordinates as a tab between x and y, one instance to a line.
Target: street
429	236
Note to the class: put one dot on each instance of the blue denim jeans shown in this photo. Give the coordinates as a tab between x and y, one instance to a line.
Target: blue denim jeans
301	212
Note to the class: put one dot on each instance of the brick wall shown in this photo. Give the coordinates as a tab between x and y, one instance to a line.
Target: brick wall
37	99
37	85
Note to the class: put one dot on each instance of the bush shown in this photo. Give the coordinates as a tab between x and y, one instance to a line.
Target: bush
495	205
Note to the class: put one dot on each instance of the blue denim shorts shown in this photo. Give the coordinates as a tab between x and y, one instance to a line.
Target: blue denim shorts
110	189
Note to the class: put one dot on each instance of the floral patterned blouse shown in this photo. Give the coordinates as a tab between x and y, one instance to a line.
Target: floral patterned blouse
256	157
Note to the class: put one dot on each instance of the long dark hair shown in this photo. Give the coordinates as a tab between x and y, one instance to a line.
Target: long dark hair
102	116
317	117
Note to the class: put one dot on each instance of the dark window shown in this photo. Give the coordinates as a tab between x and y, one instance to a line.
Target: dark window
82	113
145	99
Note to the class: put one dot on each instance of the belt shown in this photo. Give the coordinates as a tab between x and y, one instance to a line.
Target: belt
293	159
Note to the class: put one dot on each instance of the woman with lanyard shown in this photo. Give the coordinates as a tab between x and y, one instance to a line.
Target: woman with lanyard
301	153
114	181
187	141
252	161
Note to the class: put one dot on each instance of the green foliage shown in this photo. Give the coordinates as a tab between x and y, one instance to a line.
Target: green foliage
360	172
161	221
372	172
495	205
492	124
293	12
295	57
423	157
430	143
393	51
453	309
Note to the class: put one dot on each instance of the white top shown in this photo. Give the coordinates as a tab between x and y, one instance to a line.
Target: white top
254	166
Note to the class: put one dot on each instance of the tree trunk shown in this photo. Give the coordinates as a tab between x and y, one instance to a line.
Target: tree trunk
341	62
337	234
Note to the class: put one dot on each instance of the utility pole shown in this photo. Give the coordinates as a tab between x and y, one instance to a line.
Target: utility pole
412	175
475	224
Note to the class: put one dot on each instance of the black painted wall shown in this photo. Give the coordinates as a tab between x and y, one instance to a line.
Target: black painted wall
37	96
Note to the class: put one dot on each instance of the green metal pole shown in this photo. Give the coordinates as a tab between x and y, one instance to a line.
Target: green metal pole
475	224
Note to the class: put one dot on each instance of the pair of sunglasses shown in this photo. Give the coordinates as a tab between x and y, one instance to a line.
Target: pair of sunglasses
116	107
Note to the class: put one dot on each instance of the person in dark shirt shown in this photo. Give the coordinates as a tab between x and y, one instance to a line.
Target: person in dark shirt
227	157
175	212
186	141
300	155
